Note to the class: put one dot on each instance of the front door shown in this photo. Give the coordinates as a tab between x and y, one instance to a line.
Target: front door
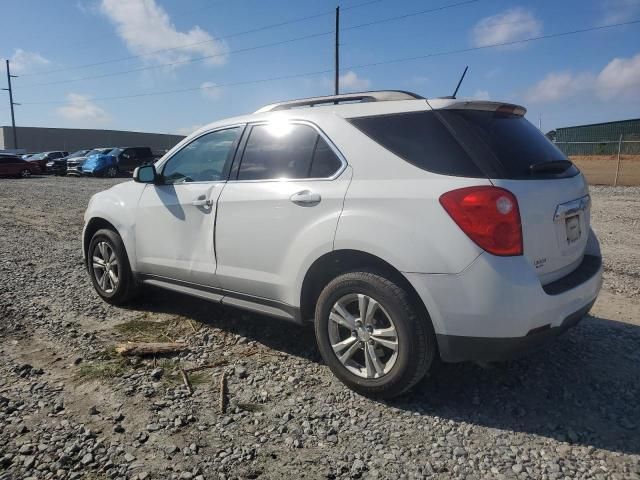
280	211
175	219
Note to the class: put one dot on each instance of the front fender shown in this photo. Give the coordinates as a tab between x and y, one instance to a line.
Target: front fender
116	206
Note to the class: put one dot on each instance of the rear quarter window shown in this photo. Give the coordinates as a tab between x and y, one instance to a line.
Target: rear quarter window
421	139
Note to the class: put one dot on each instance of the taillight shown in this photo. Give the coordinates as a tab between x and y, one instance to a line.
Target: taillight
489	216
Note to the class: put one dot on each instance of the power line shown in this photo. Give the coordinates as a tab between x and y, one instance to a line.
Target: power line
232	35
206	57
179	62
355	67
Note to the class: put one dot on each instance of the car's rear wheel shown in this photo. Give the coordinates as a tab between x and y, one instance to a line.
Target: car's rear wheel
372	336
108	266
25	173
111	172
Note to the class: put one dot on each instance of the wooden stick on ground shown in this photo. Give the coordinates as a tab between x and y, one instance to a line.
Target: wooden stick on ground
187	382
215	364
223	392
141	348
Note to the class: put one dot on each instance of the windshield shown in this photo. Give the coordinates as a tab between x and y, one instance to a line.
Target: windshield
38	156
115	152
79	153
97	151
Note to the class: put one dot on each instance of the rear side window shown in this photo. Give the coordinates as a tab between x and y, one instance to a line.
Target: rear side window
296	151
421	139
509	142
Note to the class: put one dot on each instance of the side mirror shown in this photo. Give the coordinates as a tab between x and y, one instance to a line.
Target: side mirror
145	174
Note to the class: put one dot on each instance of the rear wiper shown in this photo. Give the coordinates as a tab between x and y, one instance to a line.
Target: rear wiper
554	166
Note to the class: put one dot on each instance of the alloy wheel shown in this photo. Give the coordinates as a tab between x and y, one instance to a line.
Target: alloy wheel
25	173
105	267
112	172
363	336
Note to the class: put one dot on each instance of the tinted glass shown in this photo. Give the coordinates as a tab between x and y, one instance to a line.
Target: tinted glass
421	139
510	140
205	159
278	152
325	161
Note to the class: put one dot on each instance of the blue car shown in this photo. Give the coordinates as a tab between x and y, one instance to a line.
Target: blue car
118	160
100	165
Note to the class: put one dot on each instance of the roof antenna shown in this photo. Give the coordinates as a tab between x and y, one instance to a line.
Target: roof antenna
460	82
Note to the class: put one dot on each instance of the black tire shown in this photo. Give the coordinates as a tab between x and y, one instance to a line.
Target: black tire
126	287
26	173
416	339
111	172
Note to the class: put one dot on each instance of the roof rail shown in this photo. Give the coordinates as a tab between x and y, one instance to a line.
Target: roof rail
376	96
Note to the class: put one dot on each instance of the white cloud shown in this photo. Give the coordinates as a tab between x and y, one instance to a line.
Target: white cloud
620	77
25	62
145	27
211	90
513	24
616	11
558	85
481	95
81	110
351	81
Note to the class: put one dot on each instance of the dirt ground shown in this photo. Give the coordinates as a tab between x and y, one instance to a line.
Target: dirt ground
71	408
601	169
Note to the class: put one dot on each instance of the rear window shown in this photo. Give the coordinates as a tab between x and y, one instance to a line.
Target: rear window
510	143
468	143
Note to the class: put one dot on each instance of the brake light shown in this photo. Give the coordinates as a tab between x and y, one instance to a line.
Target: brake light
489	216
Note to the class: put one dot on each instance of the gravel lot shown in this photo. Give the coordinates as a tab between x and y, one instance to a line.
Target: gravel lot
71	408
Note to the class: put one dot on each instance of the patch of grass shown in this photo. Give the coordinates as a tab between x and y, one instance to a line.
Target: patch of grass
102	370
142	330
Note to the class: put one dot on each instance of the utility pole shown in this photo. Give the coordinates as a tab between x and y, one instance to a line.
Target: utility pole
337	57
12	103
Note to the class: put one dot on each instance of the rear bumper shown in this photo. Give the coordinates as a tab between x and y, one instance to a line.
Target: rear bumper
497	308
454	348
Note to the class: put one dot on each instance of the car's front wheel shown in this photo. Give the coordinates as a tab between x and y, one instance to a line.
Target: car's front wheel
25	173
108	266
111	172
372	336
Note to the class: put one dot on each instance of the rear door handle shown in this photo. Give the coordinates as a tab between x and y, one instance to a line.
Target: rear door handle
202	201
305	198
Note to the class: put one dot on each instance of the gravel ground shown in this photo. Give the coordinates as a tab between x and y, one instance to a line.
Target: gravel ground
71	408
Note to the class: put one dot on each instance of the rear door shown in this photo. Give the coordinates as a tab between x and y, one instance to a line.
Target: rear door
552	194
280	207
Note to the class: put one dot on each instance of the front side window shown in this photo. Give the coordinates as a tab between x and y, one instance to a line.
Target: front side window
291	151
206	159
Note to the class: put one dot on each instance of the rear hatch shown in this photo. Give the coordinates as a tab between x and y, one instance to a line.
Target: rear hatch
552	194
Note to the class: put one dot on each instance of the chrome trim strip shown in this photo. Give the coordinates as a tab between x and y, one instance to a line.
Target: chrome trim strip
573	207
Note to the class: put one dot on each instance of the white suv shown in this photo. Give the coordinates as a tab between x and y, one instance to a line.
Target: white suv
404	228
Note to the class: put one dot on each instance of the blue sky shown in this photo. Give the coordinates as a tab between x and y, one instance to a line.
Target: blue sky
568	80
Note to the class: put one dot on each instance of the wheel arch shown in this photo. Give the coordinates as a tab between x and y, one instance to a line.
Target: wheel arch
337	262
95	224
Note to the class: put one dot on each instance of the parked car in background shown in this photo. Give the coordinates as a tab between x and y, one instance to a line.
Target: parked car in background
117	161
74	165
59	166
404	229
43	158
13	165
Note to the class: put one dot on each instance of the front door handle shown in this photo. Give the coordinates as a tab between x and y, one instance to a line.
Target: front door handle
202	201
305	198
